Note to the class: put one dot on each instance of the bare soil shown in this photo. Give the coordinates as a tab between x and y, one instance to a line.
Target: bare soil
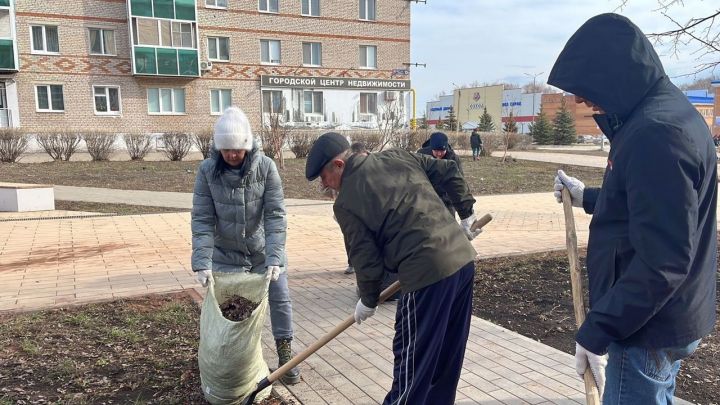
485	176
531	295
237	308
117	209
134	351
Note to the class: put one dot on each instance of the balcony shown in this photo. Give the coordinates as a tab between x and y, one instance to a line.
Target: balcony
8	51
164	38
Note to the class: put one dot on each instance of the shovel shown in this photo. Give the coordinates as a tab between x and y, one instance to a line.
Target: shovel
348	322
592	397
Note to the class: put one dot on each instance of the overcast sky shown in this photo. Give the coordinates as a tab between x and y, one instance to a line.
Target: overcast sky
499	40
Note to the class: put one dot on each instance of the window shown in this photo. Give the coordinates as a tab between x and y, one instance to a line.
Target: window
216	3
368	56
45	39
368	103
367	10
312	53
269	6
219	48
102	42
166	101
5	24
313	102
270	51
164	33
220	100
49	98
272	101
311	7
107	100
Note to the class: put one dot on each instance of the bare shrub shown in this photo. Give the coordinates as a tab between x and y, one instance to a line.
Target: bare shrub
177	145
408	140
60	145
373	140
100	145
203	141
301	142
459	140
138	145
273	137
13	143
491	142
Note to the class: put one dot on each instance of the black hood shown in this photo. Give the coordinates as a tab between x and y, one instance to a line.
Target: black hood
609	62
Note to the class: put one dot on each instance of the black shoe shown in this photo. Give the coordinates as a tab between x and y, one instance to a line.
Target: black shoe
284	351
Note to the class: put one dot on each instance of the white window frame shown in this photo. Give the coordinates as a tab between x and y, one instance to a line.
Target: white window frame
107	99
268	3
172	100
222	109
322	107
49	94
102	41
310	8
215	4
217	48
270	94
367	110
158	27
271	61
319	46
44	36
365	48
367	8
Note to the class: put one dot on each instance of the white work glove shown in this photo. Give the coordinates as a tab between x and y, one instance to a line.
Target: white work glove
203	277
362	312
597	364
574	186
273	273
467	224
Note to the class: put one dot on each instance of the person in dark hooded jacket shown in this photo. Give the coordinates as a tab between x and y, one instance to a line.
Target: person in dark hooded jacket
439	147
652	250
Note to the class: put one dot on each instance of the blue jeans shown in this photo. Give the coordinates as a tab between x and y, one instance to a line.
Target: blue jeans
635	375
476	151
280	305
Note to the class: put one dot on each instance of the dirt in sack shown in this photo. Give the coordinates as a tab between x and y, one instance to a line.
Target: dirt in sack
237	308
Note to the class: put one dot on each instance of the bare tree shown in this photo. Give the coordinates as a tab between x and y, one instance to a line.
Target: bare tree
703	83
539	88
391	121
701	33
203	141
273	136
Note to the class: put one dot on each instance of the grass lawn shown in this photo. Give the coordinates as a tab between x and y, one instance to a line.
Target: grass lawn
486	176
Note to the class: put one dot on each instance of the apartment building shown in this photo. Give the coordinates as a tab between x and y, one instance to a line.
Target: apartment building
160	65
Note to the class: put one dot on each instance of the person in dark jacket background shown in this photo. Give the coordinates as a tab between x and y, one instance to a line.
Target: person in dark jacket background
475	144
393	220
439	147
652	250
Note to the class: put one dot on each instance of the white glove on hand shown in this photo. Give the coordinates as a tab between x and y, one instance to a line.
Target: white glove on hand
467	224
273	273
362	312
597	364
574	186
203	277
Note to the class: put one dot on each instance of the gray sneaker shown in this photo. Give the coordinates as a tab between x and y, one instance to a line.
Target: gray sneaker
349	270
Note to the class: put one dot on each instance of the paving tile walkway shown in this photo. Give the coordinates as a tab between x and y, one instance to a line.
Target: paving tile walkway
53	262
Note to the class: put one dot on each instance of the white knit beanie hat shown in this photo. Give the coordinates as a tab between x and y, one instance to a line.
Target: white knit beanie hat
232	131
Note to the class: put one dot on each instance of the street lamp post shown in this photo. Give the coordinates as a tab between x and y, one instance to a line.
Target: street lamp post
457	111
534	76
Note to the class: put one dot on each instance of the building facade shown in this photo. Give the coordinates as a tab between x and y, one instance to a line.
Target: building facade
164	65
583	115
716	115
524	108
469	104
704	103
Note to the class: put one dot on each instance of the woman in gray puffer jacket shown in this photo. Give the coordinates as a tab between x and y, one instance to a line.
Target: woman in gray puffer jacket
239	221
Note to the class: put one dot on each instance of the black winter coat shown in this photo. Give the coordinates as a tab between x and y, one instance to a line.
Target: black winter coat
652	251
475	140
449	155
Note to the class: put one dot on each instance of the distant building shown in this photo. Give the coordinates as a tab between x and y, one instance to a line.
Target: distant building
704	102
583	115
438	110
716	117
524	108
469	103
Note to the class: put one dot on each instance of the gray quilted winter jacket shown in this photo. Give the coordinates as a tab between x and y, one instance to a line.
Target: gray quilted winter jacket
238	221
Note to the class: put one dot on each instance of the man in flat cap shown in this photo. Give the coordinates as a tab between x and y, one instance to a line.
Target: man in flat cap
393	220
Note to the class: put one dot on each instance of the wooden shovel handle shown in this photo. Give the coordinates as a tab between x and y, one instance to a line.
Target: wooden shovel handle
349	321
592	397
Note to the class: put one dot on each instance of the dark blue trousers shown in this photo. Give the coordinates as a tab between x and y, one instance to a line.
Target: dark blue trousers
431	331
